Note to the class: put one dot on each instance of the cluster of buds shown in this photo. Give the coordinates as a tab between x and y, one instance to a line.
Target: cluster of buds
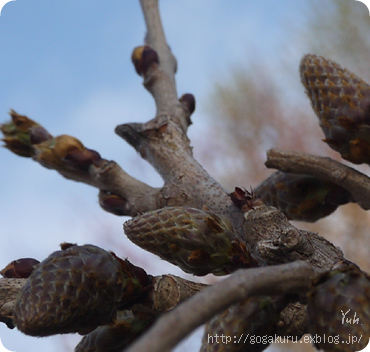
198	241
64	153
77	289
145	60
341	100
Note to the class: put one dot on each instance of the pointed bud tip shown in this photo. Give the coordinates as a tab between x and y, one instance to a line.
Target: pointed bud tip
245	200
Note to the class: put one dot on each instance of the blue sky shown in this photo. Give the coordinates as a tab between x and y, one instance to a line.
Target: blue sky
67	65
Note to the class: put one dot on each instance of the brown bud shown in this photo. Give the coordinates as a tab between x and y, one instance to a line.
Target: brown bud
66	245
39	134
188	100
143	57
115	337
302	197
52	152
341	101
18	147
255	316
76	290
137	280
245	200
21	122
83	159
65	145
21	133
20	268
66	152
112	203
339	307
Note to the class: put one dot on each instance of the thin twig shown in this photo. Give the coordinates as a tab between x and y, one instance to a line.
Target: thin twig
163	141
324	168
164	91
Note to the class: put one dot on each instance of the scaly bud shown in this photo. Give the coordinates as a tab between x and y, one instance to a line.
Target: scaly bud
22	133
66	153
198	241
20	268
245	200
341	100
76	290
255	316
143	57
188	100
127	326
302	197
112	203
339	309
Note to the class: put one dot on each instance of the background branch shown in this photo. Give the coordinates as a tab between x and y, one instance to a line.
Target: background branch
324	168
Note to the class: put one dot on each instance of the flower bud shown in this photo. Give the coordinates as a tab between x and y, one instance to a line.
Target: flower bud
302	197
115	337
22	133
245	200
112	203
188	100
198	241
341	100
143	57
66	153
76	290
20	268
339	308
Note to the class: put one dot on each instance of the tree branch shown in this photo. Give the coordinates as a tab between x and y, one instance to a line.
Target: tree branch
167	292
120	193
287	278
160	82
9	289
324	168
163	141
